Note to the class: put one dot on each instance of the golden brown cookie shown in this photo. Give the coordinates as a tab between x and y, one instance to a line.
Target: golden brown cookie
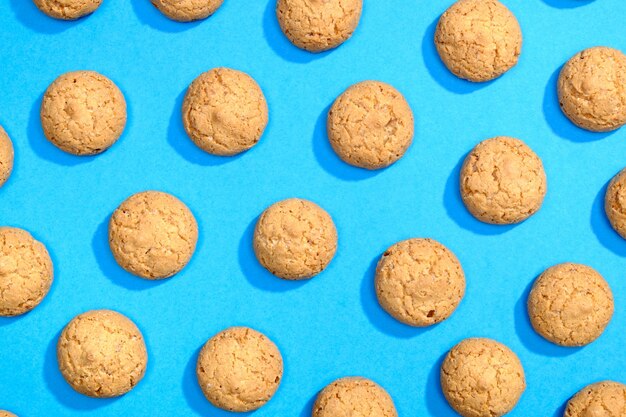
370	125
6	156
102	354
615	203
570	304
67	9
83	113
187	10
419	282
26	271
502	181
318	25
225	112
482	378
592	89
354	396
153	235
478	40
295	239
602	399
239	369
4	413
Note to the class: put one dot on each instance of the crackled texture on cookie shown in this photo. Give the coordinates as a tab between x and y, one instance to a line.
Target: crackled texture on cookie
354	396
83	113
419	282
4	413
502	181
101	353
615	203
478	40
153	235
370	125
239	369
295	239
318	25
187	10
225	112
6	156
482	378
570	304
602	399
67	9
26	271
592	89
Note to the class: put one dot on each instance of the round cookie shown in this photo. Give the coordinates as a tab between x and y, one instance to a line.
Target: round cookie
478	40
83	113
187	10
502	181
225	112
482	378
102	354
67	9
295	239
370	125
239	369
317	26
26	272
570	304
615	203
6	156
354	396
153	235
419	282
602	399
592	89
4	413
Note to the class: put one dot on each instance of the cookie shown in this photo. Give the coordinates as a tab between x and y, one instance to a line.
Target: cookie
419	282
502	181
592	89
482	378
102	354
187	10
6	156
67	9
225	112
318	26
26	272
153	235
354	396
478	40
370	125
239	369
4	413
602	399
615	203
295	239
83	113
570	304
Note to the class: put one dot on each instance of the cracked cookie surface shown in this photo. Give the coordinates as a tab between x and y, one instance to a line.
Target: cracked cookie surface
67	9
6	156
187	10
615	203
602	399
4	413
356	397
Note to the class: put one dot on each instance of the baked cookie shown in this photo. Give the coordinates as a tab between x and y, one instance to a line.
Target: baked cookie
153	235
239	369
502	181
316	25
478	40
419	282
6	156
592	89
482	378
370	125
26	272
102	354
602	399
83	113
295	239
187	10
4	413
615	203
67	9
354	396
225	112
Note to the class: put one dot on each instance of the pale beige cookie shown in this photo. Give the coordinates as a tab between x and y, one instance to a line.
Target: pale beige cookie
478	40
295	239
318	25
239	369
602	399
102	354
67	9
570	304
354	396
153	235
502	181
83	113
26	272
592	89
225	112
419	282
6	156
187	10
370	125
4	413
482	378
615	203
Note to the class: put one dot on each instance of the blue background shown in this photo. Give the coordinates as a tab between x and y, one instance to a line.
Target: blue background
332	325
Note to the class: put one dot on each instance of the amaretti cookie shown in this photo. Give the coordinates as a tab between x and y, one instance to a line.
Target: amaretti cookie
153	235
592	89
239	369
354	396
4	413
370	125
6	156
295	239
478	40
502	181
83	113
602	399
67	9
102	354
615	203
187	10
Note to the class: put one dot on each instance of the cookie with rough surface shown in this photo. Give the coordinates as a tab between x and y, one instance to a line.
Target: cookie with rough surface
187	10
4	413
354	396
602	399
615	203
67	9
6	156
